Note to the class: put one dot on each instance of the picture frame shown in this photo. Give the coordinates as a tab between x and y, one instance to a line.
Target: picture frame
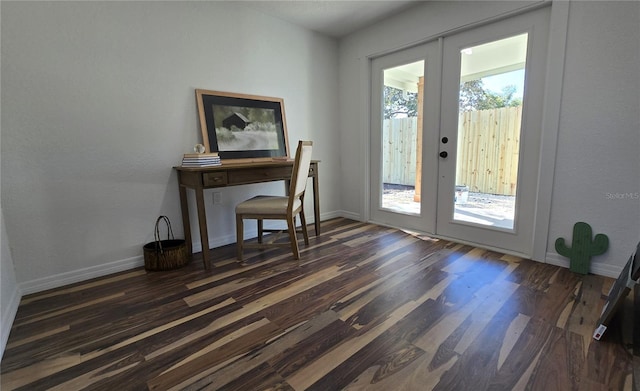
242	127
626	281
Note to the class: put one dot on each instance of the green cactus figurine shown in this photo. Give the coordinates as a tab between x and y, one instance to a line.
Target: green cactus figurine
583	248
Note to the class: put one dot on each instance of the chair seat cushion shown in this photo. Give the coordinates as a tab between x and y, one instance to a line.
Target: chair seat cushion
266	205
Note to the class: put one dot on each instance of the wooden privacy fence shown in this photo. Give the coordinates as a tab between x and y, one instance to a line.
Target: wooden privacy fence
488	150
399	151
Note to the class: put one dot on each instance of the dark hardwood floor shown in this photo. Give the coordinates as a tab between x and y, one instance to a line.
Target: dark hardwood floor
366	308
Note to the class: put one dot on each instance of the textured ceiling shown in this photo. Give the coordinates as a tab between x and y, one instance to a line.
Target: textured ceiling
333	18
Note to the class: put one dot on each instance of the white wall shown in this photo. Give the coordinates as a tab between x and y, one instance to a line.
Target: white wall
597	176
9	291
98	104
599	131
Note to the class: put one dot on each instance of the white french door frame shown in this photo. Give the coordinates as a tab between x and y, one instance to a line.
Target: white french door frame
518	240
554	74
430	53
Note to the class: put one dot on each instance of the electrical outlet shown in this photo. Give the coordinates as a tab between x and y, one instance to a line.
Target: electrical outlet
217	198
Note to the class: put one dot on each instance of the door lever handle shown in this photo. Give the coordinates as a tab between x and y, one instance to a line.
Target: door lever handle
444	154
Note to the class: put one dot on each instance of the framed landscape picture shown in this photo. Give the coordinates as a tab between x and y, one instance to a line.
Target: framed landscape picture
240	126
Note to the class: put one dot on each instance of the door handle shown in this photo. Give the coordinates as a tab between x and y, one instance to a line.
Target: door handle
444	154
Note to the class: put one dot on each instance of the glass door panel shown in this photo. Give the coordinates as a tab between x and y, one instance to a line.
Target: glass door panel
489	120
402	96
402	190
490	134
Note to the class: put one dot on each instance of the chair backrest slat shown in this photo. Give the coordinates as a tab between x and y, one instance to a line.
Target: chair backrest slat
300	169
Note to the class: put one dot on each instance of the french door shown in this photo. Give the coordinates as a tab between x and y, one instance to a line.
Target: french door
464	163
405	99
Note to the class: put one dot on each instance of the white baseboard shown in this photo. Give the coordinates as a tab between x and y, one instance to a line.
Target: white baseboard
343	213
222	241
550	258
252	232
58	280
67	278
596	268
8	317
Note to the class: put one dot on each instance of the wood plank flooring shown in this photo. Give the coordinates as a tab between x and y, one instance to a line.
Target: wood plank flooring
366	308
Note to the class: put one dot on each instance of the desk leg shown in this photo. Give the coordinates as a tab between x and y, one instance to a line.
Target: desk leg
316	201
186	225
202	222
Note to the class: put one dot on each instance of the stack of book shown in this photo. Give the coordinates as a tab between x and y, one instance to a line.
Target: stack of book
201	159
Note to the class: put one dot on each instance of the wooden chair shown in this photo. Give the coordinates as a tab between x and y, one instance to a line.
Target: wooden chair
278	207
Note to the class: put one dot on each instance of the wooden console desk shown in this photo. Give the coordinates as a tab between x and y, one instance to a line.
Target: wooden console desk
233	174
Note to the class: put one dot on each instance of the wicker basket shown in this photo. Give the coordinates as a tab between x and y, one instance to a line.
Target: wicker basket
165	254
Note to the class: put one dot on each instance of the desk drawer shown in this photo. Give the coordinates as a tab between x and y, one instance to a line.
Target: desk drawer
214	179
260	175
